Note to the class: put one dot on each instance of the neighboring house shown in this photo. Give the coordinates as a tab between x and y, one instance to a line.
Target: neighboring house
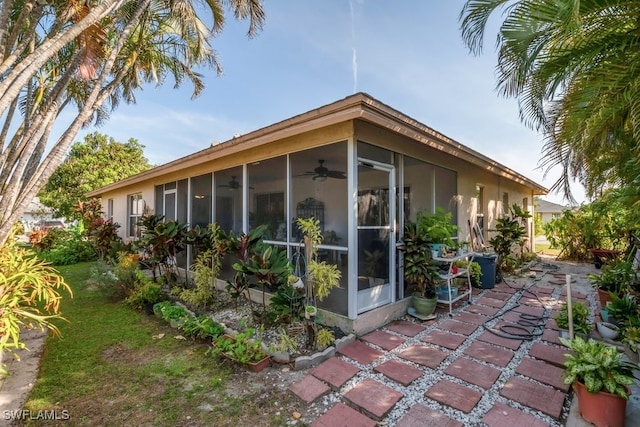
549	210
337	164
35	214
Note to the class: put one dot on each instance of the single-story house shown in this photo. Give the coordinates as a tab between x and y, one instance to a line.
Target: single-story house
548	210
357	165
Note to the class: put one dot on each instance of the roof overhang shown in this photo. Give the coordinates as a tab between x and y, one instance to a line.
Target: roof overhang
358	106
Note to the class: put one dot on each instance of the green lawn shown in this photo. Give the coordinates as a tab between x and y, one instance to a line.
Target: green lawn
546	249
108	369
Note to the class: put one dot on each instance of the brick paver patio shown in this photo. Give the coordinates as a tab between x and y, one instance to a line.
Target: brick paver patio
451	363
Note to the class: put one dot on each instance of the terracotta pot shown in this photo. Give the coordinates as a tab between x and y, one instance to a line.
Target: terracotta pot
259	365
602	409
604	297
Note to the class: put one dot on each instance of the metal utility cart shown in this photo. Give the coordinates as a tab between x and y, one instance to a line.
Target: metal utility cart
453	273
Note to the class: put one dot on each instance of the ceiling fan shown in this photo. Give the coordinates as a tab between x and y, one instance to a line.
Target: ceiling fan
233	184
321	173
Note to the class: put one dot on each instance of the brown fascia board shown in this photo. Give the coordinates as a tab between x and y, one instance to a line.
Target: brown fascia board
357	106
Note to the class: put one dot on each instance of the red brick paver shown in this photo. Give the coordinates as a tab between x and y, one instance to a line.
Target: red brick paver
536	396
489	337
551	335
403	327
534	311
342	415
489	353
534	302
474	319
383	339
553	355
421	416
491	302
458	327
497	295
360	352
501	287
543	372
454	395
543	290
444	339
423	355
399	371
482	309
309	388
502	415
335	372
473	372
373	397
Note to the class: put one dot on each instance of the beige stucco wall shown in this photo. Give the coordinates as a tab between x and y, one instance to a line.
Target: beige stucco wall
469	176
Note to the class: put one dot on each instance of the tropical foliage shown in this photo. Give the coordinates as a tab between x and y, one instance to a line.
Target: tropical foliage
420	272
600	224
30	293
598	366
572	65
89	56
511	232
98	161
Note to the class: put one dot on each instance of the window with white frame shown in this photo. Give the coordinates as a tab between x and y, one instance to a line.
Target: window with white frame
135	209
110	209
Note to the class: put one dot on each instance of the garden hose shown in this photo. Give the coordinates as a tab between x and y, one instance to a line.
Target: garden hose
526	328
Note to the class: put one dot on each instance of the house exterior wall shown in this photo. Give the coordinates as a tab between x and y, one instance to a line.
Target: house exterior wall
469	176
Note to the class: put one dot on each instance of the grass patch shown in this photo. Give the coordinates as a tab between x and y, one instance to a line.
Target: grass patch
546	249
108	369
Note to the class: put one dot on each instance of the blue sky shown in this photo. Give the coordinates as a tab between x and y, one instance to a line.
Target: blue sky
406	53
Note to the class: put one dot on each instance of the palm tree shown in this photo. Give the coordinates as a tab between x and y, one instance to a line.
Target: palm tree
574	67
90	56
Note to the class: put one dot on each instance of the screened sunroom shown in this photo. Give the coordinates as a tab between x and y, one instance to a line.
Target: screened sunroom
357	166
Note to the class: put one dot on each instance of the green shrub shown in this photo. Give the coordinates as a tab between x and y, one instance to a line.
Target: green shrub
600	224
242	347
580	317
65	247
125	271
511	232
201	327
324	338
145	292
29	294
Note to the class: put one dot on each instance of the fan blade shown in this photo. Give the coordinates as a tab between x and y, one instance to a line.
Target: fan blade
336	175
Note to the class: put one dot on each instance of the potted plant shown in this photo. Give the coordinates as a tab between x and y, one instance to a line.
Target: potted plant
475	271
310	312
437	227
615	278
176	315
244	349
600	380
580	319
420	272
622	310
631	338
